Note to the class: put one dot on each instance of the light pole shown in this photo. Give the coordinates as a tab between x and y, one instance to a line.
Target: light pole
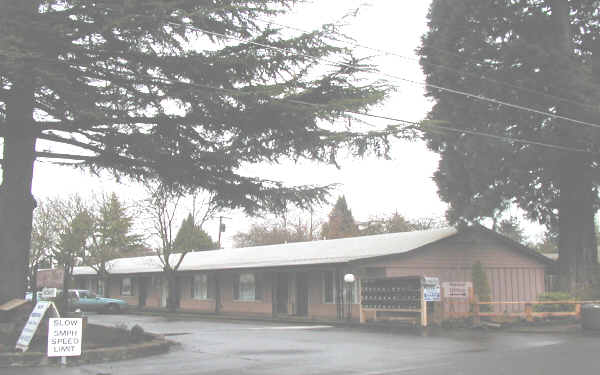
221	229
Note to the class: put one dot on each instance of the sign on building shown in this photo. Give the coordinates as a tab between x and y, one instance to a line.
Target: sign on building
48	293
64	337
457	289
431	293
50	278
31	327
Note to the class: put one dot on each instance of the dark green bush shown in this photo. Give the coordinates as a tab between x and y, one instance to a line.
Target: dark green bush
137	334
554	296
481	287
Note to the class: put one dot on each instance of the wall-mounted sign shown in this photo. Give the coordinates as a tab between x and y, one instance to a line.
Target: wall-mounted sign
64	337
431	293
36	316
48	293
431	280
457	289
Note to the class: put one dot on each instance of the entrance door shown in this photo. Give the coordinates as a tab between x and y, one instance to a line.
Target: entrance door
143	282
302	294
282	295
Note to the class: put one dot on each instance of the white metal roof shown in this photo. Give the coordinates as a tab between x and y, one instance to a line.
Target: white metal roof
291	254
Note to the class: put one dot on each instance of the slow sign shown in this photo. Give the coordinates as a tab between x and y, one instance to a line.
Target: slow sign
64	337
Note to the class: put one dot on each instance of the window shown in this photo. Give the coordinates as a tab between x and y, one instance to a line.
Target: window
246	287
126	286
328	287
200	286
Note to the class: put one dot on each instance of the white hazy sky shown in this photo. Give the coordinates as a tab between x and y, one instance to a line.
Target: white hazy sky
371	186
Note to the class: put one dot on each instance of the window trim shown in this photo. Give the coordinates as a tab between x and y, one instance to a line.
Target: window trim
206	285
236	283
324	288
131	291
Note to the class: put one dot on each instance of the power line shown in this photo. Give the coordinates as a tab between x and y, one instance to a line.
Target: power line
353	43
410	124
425	84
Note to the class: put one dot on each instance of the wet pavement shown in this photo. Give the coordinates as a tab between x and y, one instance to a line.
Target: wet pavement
230	347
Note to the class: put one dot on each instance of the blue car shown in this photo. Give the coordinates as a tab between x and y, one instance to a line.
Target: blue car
87	301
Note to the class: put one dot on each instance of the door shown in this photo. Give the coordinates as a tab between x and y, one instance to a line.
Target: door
302	294
143	282
282	293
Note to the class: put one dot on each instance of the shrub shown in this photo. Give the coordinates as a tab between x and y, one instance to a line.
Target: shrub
554	296
481	287
137	334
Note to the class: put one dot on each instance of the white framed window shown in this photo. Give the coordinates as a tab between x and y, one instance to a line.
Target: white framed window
246	287
200	286
126	286
329	289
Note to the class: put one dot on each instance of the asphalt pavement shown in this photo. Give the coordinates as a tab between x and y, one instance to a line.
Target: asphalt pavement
233	347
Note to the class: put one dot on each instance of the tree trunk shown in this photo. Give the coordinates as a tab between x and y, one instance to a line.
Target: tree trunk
578	253
172	300
106	289
33	282
65	301
16	202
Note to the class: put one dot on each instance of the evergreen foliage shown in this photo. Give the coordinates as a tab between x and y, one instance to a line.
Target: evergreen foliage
341	223
190	237
481	286
151	89
536	54
511	228
111	236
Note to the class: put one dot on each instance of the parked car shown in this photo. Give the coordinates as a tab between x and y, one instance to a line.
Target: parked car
87	301
29	296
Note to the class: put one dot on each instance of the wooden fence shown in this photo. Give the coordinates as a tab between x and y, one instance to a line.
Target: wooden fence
528	312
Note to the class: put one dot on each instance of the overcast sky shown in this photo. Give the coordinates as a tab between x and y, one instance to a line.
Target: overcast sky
372	187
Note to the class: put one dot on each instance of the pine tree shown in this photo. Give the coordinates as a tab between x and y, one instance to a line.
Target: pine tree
111	236
541	55
183	91
191	237
341	222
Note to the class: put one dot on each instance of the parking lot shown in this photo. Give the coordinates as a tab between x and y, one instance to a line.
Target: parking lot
230	347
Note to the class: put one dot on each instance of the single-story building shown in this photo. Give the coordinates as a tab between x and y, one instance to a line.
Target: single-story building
305	279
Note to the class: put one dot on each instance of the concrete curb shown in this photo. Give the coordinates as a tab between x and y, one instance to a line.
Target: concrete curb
548	329
158	345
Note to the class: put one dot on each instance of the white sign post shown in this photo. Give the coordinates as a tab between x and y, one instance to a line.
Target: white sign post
33	323
64	337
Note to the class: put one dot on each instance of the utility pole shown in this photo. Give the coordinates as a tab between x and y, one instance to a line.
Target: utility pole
221	229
